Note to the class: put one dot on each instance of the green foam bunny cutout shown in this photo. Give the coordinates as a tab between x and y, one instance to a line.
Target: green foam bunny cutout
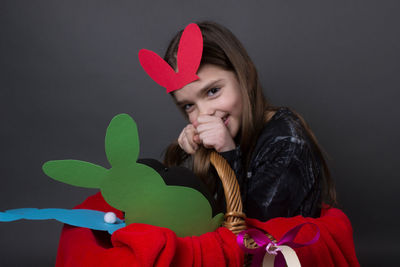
135	188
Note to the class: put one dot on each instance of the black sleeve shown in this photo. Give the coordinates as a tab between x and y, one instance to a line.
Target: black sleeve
234	158
282	181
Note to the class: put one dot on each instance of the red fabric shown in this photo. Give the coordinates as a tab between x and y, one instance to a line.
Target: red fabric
335	246
145	245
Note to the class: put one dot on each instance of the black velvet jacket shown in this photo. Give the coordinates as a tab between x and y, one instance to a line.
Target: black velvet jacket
283	177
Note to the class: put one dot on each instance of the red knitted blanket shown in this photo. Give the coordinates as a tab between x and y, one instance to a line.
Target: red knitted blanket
145	245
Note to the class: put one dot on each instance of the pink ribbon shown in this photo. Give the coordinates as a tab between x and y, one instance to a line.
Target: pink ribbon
265	245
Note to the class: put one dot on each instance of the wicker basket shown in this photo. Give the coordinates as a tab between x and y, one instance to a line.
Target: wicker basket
234	217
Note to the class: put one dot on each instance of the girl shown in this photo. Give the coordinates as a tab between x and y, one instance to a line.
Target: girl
278	163
275	156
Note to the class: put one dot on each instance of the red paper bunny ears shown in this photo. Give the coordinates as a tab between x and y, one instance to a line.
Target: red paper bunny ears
188	61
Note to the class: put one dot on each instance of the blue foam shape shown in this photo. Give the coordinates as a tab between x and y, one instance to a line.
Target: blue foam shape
91	219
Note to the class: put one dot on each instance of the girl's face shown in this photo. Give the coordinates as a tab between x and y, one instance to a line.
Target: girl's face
215	93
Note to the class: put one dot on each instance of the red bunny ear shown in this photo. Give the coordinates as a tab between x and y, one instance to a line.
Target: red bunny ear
159	70
188	61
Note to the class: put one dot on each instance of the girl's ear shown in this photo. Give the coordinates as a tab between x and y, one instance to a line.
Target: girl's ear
75	172
122	141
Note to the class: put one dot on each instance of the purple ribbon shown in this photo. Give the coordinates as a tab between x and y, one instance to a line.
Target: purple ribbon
265	245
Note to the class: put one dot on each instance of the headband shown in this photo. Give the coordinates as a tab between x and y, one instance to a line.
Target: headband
188	61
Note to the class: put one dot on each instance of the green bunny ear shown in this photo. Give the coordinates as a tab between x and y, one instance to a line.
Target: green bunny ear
122	141
75	172
217	221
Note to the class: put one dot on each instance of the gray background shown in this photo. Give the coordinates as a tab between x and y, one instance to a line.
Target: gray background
67	67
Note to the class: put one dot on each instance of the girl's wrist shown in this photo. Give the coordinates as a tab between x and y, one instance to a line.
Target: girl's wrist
227	147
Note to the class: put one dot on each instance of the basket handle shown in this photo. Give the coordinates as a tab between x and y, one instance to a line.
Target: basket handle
234	217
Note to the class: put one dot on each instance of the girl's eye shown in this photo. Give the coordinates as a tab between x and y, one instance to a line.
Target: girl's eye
187	107
213	91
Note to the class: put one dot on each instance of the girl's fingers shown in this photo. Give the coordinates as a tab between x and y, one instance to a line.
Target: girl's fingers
188	147
211	132
209	126
207	138
186	141
207	118
184	144
196	139
219	139
189	134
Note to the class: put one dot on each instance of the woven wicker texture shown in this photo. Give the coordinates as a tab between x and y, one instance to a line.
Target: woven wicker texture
234	216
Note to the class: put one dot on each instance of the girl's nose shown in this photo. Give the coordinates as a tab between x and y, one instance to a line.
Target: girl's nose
206	110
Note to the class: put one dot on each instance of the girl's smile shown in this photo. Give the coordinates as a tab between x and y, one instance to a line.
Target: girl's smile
216	93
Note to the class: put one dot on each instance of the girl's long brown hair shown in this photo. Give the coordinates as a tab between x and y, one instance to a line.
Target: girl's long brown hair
223	49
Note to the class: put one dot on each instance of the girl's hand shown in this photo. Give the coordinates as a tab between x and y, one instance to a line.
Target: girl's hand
187	139
213	133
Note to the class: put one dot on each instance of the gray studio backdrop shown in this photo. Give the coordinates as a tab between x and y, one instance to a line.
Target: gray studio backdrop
67	67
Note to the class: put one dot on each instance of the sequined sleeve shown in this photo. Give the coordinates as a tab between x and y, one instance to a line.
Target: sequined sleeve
282	181
284	173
